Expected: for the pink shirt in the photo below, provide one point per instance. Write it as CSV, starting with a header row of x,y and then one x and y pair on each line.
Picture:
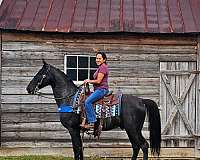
x,y
104,83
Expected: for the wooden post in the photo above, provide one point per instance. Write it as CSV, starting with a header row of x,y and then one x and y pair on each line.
x,y
197,140
0,82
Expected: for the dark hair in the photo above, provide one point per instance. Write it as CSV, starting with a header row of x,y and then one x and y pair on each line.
x,y
103,55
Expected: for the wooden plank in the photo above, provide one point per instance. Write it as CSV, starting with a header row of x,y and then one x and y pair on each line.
x,y
20,89
182,113
177,57
136,65
168,86
101,39
85,47
59,63
175,72
122,72
163,94
62,135
64,144
33,126
20,71
34,57
170,105
46,126
31,107
174,85
30,117
0,83
28,46
193,92
26,99
197,141
183,93
134,81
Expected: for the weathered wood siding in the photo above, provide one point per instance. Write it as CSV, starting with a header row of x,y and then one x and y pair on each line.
x,y
134,62
178,93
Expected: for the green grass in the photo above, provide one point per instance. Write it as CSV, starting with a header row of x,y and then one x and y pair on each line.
x,y
43,158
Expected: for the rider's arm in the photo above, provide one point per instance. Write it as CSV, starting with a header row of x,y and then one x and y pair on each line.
x,y
95,81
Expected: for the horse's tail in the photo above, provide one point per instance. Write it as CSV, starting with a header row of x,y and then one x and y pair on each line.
x,y
154,125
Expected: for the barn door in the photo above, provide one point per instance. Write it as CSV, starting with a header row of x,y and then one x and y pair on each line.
x,y
178,94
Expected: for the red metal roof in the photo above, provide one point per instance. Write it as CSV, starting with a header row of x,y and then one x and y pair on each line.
x,y
150,16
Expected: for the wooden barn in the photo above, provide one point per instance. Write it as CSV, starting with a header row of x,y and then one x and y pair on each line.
x,y
154,52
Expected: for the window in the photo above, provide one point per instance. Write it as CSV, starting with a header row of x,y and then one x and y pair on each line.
x,y
80,67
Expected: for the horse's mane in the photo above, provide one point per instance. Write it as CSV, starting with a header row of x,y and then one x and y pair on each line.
x,y
63,74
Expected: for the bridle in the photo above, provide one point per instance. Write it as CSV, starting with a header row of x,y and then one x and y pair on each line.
x,y
41,94
36,90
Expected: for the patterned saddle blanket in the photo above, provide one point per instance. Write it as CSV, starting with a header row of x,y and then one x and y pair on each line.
x,y
108,106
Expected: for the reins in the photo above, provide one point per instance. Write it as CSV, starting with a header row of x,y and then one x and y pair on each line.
x,y
41,94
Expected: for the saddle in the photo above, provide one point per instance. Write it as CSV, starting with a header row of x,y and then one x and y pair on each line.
x,y
108,100
103,107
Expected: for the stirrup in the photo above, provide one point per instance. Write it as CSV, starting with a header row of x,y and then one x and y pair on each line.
x,y
83,121
87,126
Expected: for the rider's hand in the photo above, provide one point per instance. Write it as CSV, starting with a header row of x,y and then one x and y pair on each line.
x,y
86,81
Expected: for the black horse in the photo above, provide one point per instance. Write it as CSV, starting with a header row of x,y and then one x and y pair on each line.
x,y
133,111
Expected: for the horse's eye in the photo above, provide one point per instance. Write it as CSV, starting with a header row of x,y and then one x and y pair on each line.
x,y
43,76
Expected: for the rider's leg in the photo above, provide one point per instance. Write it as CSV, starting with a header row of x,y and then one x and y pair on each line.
x,y
96,95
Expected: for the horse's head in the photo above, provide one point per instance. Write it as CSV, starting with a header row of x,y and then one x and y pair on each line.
x,y
40,80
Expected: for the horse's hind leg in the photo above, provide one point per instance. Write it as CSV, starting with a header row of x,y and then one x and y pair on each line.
x,y
134,147
135,152
138,141
143,144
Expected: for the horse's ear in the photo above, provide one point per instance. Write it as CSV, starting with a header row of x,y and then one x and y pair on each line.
x,y
44,62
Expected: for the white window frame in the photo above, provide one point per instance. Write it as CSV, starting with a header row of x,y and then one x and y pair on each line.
x,y
77,56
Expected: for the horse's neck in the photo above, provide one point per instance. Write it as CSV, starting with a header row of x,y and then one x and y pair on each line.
x,y
63,88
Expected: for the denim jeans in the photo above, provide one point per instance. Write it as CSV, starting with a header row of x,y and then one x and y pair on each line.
x,y
96,95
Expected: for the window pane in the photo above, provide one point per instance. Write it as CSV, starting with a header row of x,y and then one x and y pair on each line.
x,y
82,74
72,74
93,62
83,62
71,61
91,73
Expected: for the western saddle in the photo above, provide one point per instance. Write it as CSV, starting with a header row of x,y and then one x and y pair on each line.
x,y
108,100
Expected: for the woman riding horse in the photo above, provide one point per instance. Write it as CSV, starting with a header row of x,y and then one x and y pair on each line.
x,y
100,83
132,113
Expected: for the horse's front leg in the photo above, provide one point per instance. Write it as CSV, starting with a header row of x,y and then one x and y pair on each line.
x,y
77,143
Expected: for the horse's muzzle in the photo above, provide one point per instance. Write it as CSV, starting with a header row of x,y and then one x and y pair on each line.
x,y
29,90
